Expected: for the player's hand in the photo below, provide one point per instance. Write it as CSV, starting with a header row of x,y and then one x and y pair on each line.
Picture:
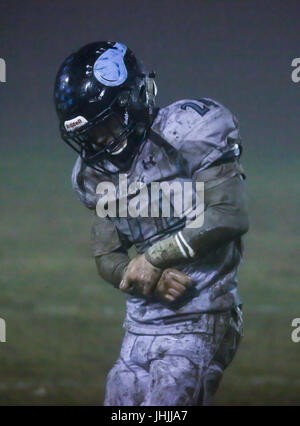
x,y
172,284
140,276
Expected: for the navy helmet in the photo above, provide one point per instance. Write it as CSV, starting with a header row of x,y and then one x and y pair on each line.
x,y
104,86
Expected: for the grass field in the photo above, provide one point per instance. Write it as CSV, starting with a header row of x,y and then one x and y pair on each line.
x,y
64,324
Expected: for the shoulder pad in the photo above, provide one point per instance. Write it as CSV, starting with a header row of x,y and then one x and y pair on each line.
x,y
201,129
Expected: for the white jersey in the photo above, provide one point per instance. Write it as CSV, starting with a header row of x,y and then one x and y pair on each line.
x,y
198,134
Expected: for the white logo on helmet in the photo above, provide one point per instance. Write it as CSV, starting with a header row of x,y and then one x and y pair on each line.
x,y
110,68
75,123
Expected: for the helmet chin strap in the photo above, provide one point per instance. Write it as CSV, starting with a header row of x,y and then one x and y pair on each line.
x,y
120,149
124,159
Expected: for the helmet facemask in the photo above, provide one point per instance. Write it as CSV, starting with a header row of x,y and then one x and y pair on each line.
x,y
104,137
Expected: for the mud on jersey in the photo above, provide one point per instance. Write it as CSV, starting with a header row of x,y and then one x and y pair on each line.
x,y
199,134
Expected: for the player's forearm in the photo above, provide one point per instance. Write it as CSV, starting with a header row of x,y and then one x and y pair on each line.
x,y
111,266
225,219
190,243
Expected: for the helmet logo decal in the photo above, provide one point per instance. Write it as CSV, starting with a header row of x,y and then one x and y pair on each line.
x,y
75,123
110,68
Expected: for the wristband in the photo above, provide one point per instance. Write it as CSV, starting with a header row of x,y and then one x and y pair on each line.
x,y
169,252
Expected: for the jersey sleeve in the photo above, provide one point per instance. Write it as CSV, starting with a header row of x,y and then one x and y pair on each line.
x,y
105,237
109,246
203,131
84,183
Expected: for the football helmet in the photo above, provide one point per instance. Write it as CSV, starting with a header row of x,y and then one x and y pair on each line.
x,y
103,89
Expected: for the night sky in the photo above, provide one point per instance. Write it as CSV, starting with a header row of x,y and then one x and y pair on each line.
x,y
237,52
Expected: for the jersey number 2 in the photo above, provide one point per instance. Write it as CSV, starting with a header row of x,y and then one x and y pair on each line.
x,y
202,110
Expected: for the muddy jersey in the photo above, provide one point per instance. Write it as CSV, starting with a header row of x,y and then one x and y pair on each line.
x,y
192,137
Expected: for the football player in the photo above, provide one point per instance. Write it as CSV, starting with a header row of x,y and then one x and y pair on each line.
x,y
183,318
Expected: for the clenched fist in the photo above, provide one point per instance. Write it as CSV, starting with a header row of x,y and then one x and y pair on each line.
x,y
172,284
140,276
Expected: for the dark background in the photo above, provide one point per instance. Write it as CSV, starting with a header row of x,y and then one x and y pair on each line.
x,y
63,323
239,52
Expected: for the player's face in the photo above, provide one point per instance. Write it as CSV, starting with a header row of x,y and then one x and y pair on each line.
x,y
105,134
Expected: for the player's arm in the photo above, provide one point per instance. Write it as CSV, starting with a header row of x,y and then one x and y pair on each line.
x,y
136,276
109,251
110,247
212,130
225,218
111,266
